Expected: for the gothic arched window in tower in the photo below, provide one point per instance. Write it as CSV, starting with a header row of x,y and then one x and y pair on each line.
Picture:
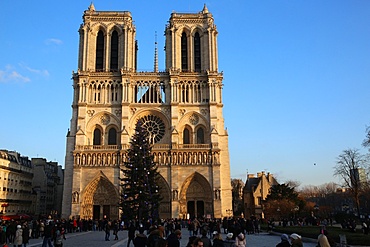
x,y
197,60
184,52
154,126
112,136
99,57
186,136
97,137
200,136
114,51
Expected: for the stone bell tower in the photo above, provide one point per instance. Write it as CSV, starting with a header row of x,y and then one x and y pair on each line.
x,y
181,108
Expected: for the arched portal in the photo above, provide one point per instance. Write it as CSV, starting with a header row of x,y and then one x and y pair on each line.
x,y
165,204
100,199
196,197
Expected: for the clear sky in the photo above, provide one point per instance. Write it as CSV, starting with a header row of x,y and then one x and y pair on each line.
x,y
296,77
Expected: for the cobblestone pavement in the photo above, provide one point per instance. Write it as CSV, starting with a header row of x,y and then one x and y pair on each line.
x,y
96,239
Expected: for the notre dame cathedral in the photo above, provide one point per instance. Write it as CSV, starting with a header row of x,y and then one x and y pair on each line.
x,y
181,108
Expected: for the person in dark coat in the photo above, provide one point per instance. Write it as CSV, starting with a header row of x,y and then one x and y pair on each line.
x,y
217,240
206,241
25,234
229,241
140,239
131,233
107,230
284,241
174,239
48,234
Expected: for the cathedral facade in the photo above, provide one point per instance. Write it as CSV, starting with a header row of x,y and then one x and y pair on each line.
x,y
181,108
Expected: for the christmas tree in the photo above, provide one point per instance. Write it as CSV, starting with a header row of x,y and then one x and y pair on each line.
x,y
139,190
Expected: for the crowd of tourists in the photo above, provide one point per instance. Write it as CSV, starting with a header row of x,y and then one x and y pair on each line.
x,y
19,232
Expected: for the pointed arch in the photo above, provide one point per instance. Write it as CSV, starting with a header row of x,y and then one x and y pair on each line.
x,y
184,52
197,52
99,57
99,192
186,135
165,192
112,136
97,136
200,135
196,196
114,51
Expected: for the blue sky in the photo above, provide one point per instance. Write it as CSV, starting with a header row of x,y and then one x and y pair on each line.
x,y
296,77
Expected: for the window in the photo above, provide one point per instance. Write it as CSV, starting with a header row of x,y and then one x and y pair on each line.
x,y
186,136
200,136
112,137
114,51
197,61
184,52
97,137
99,51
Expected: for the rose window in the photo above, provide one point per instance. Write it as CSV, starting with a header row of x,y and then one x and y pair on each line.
x,y
154,126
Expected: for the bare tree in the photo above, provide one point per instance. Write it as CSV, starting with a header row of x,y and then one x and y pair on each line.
x,y
237,186
348,167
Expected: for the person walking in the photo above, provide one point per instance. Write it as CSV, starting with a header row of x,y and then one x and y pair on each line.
x,y
48,234
173,239
240,240
229,241
26,234
206,241
107,230
140,239
296,240
131,233
284,241
217,240
18,240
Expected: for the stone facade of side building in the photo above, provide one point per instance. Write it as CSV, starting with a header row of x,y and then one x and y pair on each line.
x,y
181,108
16,175
255,191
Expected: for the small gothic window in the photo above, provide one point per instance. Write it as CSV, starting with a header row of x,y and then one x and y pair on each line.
x,y
112,136
197,60
200,136
97,137
184,52
99,51
114,51
186,136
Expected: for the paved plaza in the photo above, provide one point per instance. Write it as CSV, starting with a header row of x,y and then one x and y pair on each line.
x,y
96,239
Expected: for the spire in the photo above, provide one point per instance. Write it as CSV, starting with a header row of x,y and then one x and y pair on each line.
x,y
155,54
205,10
92,7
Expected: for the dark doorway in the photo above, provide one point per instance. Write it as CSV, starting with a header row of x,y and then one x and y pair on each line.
x,y
96,212
191,209
106,211
200,209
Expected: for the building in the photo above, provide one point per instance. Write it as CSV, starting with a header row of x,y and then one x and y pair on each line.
x,y
16,177
181,108
255,191
48,187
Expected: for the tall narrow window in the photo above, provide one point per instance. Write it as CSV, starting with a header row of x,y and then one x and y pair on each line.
x,y
99,51
97,137
186,136
114,51
200,136
112,136
197,60
184,52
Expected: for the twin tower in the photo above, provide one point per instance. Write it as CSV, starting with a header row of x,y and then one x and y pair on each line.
x,y
181,109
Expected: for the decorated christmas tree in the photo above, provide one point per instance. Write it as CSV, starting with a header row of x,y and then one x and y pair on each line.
x,y
139,190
